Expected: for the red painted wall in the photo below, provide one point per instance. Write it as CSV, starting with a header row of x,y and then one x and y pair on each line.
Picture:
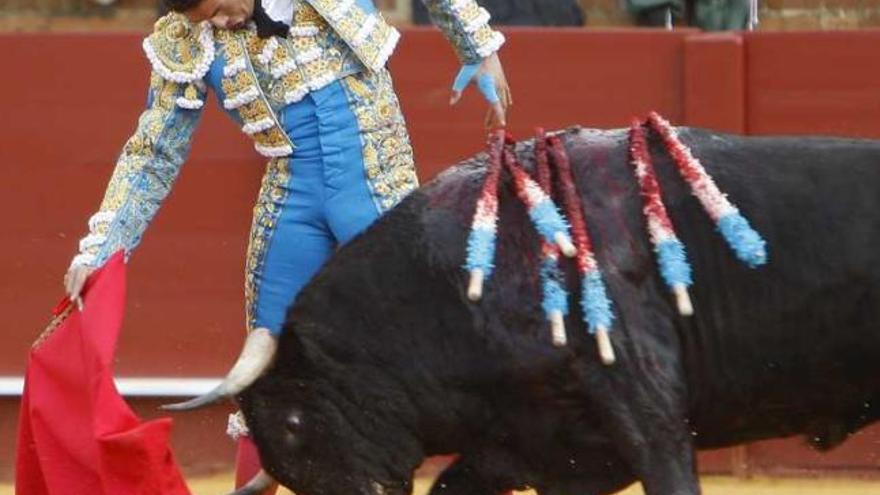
x,y
814,83
69,102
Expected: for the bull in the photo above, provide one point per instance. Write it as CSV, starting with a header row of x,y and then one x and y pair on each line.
x,y
384,360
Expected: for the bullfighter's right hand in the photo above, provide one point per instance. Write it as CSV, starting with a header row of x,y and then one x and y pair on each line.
x,y
490,79
74,281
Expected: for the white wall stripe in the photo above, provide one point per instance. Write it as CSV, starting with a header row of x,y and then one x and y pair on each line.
x,y
11,386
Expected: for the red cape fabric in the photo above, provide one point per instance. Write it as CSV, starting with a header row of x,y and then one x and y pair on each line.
x,y
76,434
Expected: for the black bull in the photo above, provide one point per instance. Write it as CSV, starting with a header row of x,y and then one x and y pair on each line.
x,y
385,361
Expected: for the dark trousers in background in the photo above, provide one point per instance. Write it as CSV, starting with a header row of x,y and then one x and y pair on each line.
x,y
521,12
711,15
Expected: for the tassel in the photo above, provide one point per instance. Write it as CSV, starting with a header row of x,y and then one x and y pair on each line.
x,y
545,216
484,228
671,257
745,242
555,298
594,298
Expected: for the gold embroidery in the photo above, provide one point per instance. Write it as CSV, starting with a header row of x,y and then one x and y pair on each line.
x,y
307,15
273,192
465,24
140,179
231,46
349,25
255,45
292,81
373,51
254,111
238,83
244,94
271,138
485,36
166,96
317,69
304,62
303,44
291,87
387,153
280,56
470,12
178,50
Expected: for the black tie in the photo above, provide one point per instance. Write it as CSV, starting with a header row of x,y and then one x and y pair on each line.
x,y
266,26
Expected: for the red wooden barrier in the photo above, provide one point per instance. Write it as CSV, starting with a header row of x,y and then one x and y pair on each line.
x,y
70,101
814,83
714,86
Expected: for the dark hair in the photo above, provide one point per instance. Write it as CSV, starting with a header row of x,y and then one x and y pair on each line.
x,y
180,5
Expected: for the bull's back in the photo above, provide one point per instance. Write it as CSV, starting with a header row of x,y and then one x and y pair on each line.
x,y
793,346
770,351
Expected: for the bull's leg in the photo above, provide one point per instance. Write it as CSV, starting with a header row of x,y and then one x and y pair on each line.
x,y
477,475
583,463
669,471
642,404
600,485
642,413
651,435
461,479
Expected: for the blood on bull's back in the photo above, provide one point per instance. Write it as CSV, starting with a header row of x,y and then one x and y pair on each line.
x,y
405,365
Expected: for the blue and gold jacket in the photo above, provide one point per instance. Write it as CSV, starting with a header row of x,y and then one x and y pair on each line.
x,y
254,78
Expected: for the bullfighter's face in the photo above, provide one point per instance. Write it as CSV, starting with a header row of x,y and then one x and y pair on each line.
x,y
224,14
307,443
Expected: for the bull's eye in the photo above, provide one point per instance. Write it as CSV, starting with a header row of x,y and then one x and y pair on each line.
x,y
293,421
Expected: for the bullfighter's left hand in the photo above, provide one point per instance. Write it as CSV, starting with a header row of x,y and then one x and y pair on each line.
x,y
492,83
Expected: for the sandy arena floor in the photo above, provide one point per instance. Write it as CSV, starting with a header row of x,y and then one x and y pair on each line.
x,y
218,485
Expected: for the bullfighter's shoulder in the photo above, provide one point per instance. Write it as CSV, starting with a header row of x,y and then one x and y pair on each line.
x,y
180,50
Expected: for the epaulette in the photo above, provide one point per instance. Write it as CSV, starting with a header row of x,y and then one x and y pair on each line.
x,y
182,52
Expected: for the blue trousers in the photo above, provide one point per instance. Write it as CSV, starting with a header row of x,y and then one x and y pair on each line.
x,y
309,204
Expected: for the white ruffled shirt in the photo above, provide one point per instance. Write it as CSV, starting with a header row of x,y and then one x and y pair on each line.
x,y
279,10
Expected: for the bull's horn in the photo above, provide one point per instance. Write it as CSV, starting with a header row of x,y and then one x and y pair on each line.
x,y
257,485
257,354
